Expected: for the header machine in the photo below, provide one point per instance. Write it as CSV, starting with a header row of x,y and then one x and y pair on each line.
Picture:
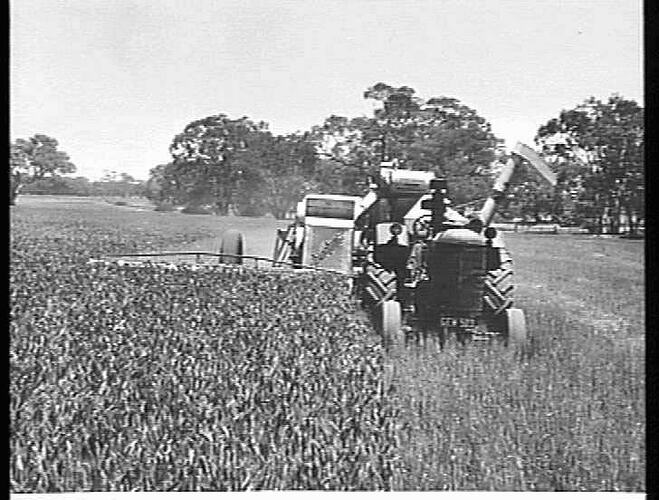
x,y
417,264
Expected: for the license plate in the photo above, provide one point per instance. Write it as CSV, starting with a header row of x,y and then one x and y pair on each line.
x,y
449,321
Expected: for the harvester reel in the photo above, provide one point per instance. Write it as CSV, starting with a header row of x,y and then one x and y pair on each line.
x,y
232,243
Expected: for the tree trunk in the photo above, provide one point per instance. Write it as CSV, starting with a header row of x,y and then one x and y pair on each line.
x,y
13,193
600,224
14,187
222,207
631,220
280,214
614,222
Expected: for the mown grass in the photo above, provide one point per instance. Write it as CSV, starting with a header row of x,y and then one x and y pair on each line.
x,y
566,414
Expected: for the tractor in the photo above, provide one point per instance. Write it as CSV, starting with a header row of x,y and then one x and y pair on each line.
x,y
418,265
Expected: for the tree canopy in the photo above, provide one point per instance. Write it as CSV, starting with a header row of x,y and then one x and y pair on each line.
x,y
439,134
276,172
203,168
34,159
598,149
238,164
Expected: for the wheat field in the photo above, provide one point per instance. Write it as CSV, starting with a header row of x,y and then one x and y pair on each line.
x,y
153,379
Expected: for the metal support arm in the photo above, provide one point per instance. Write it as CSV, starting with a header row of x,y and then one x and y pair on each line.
x,y
502,183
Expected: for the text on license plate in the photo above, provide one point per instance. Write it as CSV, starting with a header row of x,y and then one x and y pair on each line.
x,y
457,322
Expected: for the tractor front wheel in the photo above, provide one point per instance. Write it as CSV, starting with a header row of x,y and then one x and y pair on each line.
x,y
391,322
232,243
515,326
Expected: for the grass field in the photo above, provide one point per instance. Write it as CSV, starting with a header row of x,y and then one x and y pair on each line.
x,y
569,414
565,414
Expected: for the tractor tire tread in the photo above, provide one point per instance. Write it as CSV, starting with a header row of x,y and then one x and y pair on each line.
x,y
497,292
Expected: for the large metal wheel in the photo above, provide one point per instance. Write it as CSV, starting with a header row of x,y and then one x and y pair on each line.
x,y
515,326
379,283
391,321
498,291
232,243
282,251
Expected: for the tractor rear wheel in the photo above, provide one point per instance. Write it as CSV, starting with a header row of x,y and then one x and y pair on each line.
x,y
379,284
498,292
391,322
232,243
515,326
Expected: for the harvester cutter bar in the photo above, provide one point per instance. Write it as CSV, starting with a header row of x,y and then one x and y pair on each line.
x,y
255,258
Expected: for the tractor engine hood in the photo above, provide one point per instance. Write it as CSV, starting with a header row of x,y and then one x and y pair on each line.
x,y
462,236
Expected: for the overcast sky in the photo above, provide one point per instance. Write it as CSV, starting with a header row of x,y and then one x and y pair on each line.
x,y
114,80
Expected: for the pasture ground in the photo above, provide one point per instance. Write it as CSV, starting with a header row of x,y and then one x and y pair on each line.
x,y
567,414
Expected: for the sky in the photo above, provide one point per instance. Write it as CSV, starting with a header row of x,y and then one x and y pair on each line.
x,y
115,80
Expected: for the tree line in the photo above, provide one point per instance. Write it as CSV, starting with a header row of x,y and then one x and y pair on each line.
x,y
38,166
237,165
